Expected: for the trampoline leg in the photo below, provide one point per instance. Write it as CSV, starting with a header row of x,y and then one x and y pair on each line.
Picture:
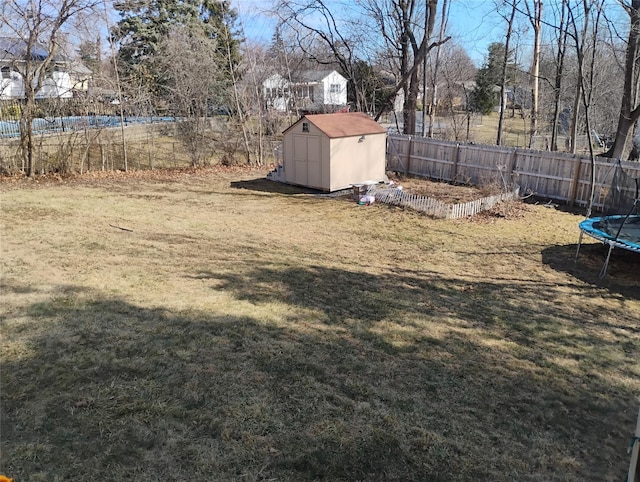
x,y
575,260
603,271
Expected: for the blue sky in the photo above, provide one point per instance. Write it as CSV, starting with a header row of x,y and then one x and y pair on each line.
x,y
473,23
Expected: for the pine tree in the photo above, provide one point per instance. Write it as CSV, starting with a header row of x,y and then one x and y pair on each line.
x,y
484,97
89,53
144,24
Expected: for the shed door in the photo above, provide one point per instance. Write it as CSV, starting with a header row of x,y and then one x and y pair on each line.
x,y
306,155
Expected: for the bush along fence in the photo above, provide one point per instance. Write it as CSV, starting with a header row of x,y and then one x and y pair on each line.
x,y
549,175
135,146
147,146
438,209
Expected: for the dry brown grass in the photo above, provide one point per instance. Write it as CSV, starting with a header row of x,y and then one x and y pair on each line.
x,y
244,330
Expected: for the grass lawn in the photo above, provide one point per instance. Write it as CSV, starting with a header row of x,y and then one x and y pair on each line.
x,y
241,330
515,131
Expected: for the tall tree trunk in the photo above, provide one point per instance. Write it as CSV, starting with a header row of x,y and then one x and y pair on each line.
x,y
585,90
123,138
411,56
424,101
504,71
562,46
580,39
32,80
410,105
628,114
434,80
26,132
573,139
536,22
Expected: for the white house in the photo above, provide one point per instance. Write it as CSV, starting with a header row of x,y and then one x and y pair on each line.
x,y
312,91
65,78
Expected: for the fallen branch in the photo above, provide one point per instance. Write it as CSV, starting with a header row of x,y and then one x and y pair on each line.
x,y
120,227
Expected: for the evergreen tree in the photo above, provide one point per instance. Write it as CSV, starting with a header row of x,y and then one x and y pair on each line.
x,y
90,55
374,92
484,96
144,24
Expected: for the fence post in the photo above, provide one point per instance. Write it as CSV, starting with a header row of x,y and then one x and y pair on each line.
x,y
454,167
150,144
406,167
575,181
102,155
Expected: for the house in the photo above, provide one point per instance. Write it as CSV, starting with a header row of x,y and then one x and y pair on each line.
x,y
311,91
333,151
64,80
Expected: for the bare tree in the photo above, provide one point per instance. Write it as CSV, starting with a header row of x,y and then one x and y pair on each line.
x,y
398,21
457,73
254,69
406,30
239,113
39,26
193,85
630,108
509,18
560,56
286,61
314,21
536,22
586,83
433,99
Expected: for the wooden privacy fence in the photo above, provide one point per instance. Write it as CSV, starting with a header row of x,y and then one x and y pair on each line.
x,y
550,175
438,209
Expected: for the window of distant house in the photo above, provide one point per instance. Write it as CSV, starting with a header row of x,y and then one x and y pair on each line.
x,y
335,88
6,72
305,127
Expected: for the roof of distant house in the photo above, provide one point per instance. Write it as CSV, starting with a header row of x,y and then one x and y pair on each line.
x,y
344,124
315,75
79,68
16,49
304,77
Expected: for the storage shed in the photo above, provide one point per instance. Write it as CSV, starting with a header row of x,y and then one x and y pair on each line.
x,y
333,151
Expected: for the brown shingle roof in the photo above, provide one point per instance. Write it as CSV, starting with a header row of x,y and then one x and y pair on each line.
x,y
344,124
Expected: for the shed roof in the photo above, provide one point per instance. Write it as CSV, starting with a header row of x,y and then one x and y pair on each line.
x,y
345,124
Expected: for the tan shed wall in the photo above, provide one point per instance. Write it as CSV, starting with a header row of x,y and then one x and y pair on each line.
x,y
354,162
313,173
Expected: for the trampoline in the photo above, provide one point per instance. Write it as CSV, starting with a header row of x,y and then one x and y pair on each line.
x,y
619,227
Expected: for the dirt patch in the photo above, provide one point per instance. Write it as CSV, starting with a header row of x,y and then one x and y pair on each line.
x,y
505,210
459,194
444,191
